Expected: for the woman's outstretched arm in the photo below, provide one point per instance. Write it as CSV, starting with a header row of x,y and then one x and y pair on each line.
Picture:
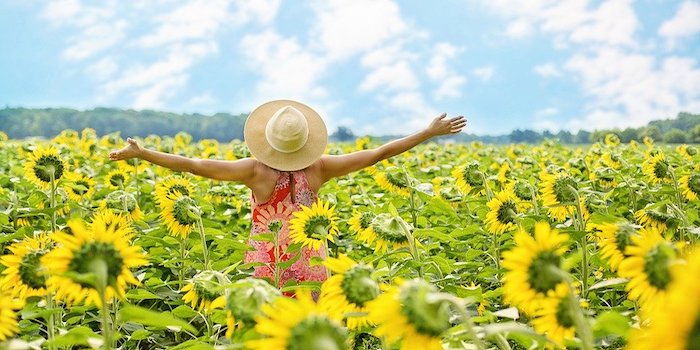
x,y
239,170
333,166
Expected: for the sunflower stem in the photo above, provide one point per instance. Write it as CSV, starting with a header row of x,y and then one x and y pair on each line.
x,y
534,198
411,237
205,251
583,328
633,195
497,253
183,248
581,226
675,186
51,321
277,258
459,305
100,269
52,200
489,194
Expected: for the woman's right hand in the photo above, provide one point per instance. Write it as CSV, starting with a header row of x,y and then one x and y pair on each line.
x,y
131,150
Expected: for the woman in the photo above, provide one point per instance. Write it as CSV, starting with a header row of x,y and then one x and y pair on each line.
x,y
287,139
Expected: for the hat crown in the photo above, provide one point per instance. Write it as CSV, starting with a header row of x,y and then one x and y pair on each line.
x,y
287,131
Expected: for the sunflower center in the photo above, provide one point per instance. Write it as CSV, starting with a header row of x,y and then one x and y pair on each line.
x,y
366,220
507,212
358,286
316,332
694,183
117,180
694,336
428,316
84,259
656,265
317,226
539,276
274,226
565,317
183,210
623,237
564,190
30,269
661,169
691,151
46,166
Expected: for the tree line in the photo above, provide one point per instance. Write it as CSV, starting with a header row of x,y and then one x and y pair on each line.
x,y
48,122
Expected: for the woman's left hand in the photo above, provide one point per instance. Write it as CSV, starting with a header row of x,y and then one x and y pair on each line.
x,y
441,125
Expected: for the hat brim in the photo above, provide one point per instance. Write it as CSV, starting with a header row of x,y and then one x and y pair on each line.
x,y
254,134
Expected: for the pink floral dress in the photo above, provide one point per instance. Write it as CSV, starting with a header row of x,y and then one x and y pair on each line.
x,y
277,211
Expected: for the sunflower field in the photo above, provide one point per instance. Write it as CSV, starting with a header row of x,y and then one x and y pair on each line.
x,y
447,246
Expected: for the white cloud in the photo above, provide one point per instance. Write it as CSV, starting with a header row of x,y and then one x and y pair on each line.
x,y
519,28
549,111
547,70
484,73
346,28
449,82
397,76
287,69
612,22
630,89
98,30
103,69
202,100
685,23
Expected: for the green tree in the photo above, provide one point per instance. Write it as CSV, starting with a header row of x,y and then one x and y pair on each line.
x,y
652,131
676,136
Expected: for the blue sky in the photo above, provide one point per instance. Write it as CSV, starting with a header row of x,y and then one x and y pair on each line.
x,y
377,66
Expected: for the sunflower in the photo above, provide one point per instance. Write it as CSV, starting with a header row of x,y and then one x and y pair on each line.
x,y
116,179
360,221
437,186
172,186
648,267
529,278
8,316
612,140
554,318
121,223
654,217
392,180
245,299
79,186
690,186
557,190
676,326
657,168
180,214
613,239
81,252
311,226
204,291
384,232
124,203
503,212
43,164
504,172
23,275
469,178
350,289
299,324
411,313
688,152
362,143
132,165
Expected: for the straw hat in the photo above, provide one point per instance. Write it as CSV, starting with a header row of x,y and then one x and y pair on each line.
x,y
285,135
